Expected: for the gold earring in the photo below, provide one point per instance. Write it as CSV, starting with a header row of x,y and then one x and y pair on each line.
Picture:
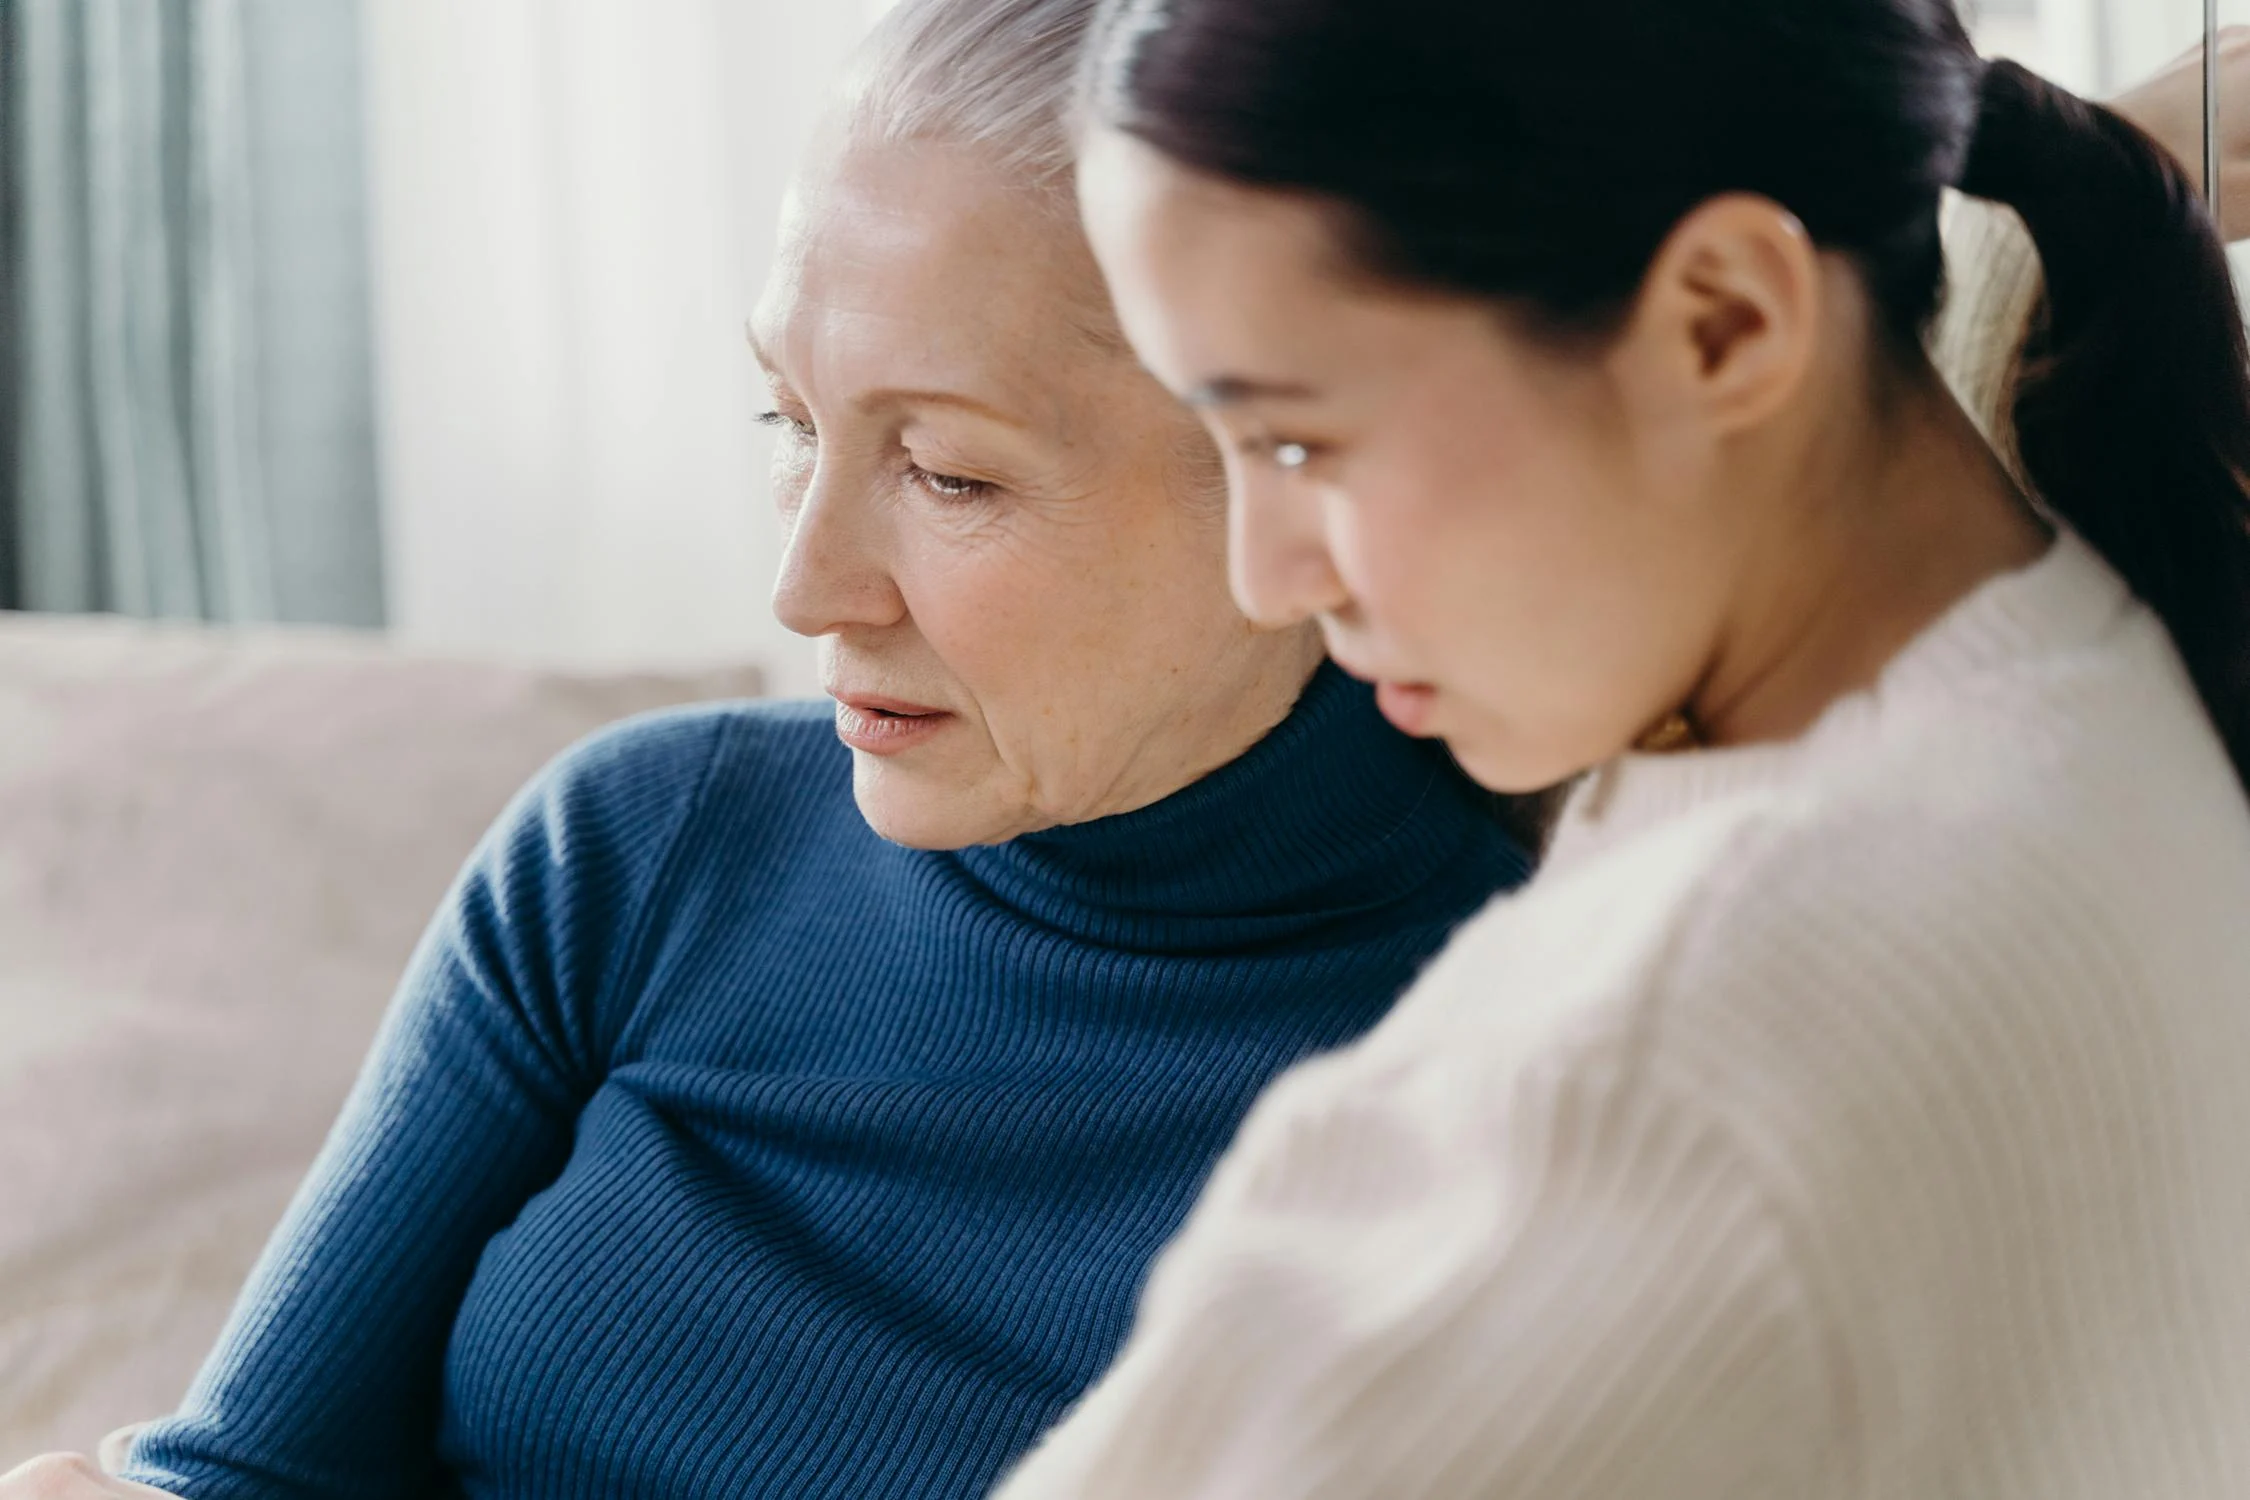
x,y
1668,735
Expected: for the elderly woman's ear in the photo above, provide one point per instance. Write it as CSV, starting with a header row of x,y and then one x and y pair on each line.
x,y
2169,107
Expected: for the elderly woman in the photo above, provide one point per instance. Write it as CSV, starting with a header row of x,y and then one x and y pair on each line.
x,y
787,1101
790,1103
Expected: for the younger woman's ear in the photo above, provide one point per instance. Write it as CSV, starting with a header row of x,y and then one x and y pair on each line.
x,y
1728,317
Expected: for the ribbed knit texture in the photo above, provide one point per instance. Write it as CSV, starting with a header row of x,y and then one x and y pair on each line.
x,y
1993,287
716,1147
1866,1116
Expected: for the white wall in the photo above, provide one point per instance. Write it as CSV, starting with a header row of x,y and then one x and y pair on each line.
x,y
2102,47
2095,47
574,204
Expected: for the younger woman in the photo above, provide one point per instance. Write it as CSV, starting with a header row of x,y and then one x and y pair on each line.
x,y
1855,1104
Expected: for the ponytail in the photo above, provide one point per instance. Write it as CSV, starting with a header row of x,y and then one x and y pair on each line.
x,y
1462,141
2132,408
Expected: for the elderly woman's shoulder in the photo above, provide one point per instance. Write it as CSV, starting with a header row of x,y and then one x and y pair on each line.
x,y
762,739
734,761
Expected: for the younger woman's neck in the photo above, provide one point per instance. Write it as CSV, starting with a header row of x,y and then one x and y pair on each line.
x,y
1891,522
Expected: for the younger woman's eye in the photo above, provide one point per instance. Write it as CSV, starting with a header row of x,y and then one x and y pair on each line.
x,y
1282,453
947,486
796,426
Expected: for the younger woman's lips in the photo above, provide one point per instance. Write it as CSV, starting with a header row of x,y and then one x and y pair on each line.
x,y
880,729
1408,705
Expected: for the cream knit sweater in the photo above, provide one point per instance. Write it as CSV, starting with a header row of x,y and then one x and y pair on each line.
x,y
1993,284
1865,1116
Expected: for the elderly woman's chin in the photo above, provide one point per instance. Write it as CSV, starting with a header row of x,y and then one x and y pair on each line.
x,y
926,798
950,780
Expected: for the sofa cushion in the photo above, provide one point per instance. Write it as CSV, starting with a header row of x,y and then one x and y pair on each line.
x,y
216,853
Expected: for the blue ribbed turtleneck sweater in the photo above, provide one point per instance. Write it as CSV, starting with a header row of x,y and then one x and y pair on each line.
x,y
714,1146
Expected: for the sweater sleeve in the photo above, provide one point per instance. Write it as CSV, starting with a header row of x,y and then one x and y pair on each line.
x,y
1574,1292
327,1379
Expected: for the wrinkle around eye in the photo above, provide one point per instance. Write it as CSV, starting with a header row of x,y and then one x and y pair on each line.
x,y
957,488
790,476
788,425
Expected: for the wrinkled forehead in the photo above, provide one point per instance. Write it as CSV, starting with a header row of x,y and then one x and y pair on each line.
x,y
918,262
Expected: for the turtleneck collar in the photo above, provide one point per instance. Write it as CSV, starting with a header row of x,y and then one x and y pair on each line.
x,y
1332,815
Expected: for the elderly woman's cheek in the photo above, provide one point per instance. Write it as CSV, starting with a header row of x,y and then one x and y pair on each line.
x,y
1004,599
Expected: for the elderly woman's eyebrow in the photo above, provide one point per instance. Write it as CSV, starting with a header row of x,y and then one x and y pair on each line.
x,y
1233,390
758,350
901,395
958,400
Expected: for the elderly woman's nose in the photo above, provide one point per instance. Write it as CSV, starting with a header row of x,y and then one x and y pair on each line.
x,y
834,571
1278,562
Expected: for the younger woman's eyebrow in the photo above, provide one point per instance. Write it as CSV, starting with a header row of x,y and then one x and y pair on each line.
x,y
1233,390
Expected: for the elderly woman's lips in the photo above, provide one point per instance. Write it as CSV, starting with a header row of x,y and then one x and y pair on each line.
x,y
885,726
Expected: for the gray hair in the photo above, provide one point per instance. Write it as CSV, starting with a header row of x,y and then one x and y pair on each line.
x,y
999,75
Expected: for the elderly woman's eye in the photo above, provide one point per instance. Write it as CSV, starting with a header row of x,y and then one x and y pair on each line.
x,y
947,486
796,427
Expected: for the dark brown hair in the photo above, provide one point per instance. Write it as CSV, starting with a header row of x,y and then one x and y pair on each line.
x,y
1539,152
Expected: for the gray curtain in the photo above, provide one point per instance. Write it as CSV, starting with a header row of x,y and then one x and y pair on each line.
x,y
188,381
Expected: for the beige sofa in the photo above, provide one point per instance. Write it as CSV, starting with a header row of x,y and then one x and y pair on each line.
x,y
216,852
